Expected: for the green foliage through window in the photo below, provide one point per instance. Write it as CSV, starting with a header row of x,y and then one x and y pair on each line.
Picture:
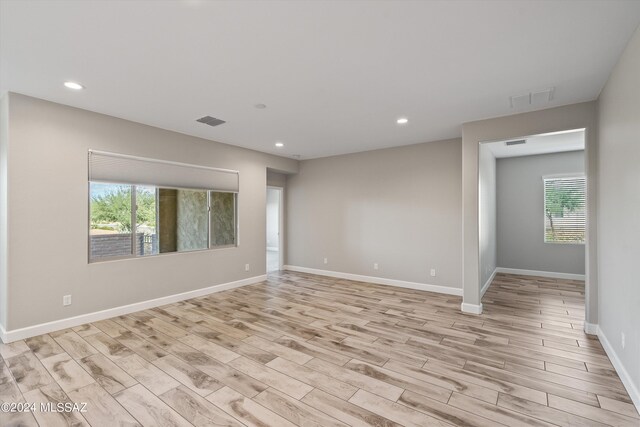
x,y
565,209
111,207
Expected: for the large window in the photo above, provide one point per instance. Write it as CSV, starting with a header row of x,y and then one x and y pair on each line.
x,y
565,209
134,220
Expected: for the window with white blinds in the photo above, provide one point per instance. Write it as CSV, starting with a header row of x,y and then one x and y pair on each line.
x,y
122,168
564,209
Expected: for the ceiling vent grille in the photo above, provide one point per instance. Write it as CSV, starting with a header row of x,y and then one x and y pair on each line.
x,y
532,99
211,121
517,142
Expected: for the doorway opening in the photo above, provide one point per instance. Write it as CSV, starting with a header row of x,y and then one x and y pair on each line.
x,y
274,228
533,217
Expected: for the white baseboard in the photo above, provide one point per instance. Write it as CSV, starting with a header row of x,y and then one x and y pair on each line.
x,y
378,280
471,308
488,283
632,388
590,328
553,274
56,325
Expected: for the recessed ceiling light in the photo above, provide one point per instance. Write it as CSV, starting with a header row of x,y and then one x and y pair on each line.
x,y
402,121
73,85
279,144
260,106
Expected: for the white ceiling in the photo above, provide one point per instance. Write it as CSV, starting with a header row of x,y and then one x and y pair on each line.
x,y
539,144
335,76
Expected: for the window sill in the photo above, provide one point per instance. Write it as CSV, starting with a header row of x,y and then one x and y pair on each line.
x,y
128,257
566,243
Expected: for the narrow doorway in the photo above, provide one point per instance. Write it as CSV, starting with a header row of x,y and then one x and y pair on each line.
x,y
274,229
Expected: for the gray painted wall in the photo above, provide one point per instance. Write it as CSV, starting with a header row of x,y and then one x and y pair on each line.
x,y
48,197
618,208
487,201
576,116
399,207
276,179
520,230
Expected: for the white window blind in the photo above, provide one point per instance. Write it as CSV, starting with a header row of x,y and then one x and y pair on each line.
x,y
564,209
124,169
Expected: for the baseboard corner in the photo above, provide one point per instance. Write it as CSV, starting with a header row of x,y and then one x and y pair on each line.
x,y
3,334
591,328
471,308
626,379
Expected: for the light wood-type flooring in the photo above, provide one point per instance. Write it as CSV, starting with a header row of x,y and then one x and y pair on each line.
x,y
307,350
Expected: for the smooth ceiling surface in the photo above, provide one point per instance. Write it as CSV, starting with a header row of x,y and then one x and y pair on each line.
x,y
335,76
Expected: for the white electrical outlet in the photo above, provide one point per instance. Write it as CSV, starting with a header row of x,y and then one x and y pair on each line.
x,y
246,267
375,265
326,261
623,339
66,300
433,272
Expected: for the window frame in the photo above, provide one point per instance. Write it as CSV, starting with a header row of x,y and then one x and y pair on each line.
x,y
134,221
556,177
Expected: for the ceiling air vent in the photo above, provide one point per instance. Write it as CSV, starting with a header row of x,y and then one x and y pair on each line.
x,y
211,121
532,99
517,142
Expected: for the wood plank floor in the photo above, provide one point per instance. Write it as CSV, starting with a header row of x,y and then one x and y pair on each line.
x,y
307,350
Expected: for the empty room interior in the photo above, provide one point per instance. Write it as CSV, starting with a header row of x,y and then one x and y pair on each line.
x,y
319,213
